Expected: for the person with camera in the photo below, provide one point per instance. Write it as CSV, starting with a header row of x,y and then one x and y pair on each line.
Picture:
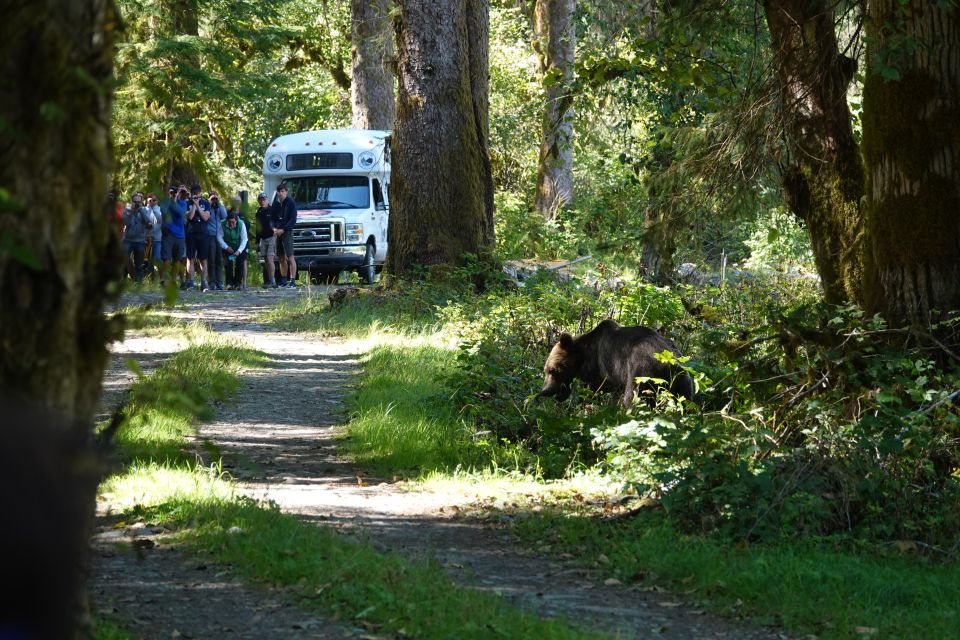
x,y
267,241
198,213
151,256
218,215
173,249
233,244
137,221
283,214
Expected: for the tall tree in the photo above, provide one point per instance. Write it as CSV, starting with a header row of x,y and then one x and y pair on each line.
x,y
554,41
442,184
823,176
59,258
911,134
372,86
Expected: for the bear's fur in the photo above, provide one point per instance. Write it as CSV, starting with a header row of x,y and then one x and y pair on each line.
x,y
611,358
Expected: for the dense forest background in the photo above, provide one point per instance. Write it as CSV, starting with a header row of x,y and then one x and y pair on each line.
x,y
673,114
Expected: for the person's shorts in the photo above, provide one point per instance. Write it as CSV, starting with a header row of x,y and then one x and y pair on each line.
x,y
268,247
197,247
285,244
173,248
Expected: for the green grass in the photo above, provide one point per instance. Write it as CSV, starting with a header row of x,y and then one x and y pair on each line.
x,y
107,630
403,419
372,314
804,587
157,321
162,407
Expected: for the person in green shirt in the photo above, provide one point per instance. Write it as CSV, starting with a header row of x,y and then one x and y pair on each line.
x,y
232,238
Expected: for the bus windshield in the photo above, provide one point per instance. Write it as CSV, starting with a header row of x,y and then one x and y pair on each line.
x,y
330,192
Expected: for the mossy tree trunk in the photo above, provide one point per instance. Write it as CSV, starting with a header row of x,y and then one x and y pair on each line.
x,y
911,130
554,41
442,205
372,86
823,177
59,254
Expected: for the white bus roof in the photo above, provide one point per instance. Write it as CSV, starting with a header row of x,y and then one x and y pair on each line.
x,y
328,139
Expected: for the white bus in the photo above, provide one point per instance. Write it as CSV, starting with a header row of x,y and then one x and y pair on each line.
x,y
340,182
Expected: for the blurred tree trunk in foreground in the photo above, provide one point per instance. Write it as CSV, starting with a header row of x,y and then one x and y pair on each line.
x,y
442,205
59,259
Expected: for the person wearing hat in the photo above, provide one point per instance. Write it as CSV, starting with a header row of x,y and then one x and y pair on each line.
x,y
267,241
232,238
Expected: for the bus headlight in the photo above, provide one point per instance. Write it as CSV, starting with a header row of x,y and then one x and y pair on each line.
x,y
354,233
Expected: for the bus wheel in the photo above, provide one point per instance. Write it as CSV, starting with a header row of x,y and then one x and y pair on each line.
x,y
368,270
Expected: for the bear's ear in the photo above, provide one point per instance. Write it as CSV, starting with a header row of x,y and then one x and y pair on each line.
x,y
566,340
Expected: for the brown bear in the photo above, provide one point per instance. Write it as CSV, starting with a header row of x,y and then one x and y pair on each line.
x,y
611,358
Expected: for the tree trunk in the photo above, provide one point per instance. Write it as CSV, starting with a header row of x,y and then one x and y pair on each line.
x,y
659,245
442,183
911,132
59,258
554,40
823,178
372,85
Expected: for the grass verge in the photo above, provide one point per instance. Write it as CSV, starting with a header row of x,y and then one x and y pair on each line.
x,y
803,587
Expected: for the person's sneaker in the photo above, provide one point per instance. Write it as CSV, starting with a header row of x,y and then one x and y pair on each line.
x,y
291,284
219,287
266,285
282,282
186,284
203,286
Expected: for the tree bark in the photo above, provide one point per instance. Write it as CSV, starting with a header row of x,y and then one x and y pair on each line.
x,y
823,177
442,184
911,133
554,41
372,87
59,261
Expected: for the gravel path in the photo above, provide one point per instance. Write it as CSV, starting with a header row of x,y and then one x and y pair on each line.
x,y
279,440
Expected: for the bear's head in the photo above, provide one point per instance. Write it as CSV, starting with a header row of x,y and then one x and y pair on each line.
x,y
561,368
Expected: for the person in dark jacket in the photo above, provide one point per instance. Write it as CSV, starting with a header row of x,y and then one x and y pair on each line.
x,y
198,213
283,214
267,241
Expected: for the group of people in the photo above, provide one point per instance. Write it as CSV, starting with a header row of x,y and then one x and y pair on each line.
x,y
204,244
